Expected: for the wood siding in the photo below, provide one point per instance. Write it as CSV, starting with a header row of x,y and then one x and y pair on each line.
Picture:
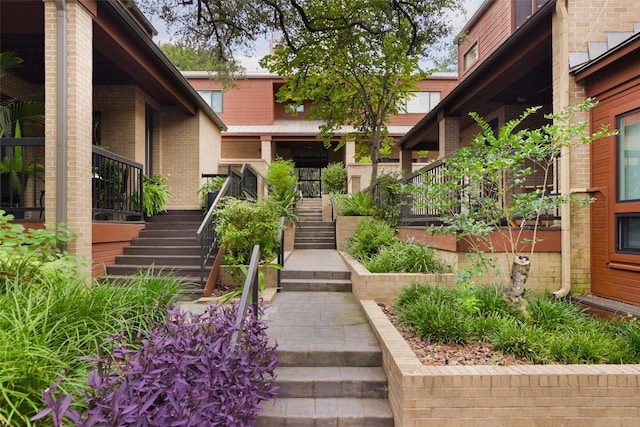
x,y
489,32
613,275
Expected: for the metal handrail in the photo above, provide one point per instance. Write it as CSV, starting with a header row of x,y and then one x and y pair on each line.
x,y
250,289
116,186
22,183
240,184
280,252
416,210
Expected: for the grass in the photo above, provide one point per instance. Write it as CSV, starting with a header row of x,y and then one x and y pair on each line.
x,y
549,331
49,327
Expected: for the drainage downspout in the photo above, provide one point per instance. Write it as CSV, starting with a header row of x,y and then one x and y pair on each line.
x,y
61,123
565,164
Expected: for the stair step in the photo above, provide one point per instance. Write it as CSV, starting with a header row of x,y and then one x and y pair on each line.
x,y
159,260
317,275
173,225
315,245
187,273
324,357
321,285
314,233
316,224
311,238
326,412
349,381
167,241
169,233
162,250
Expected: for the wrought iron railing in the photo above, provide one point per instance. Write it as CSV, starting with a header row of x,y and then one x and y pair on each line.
x,y
280,252
416,210
239,184
22,177
249,293
116,187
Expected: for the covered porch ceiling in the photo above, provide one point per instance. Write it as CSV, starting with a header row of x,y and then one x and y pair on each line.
x,y
517,73
122,53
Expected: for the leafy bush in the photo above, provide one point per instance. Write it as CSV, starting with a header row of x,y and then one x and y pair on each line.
x,y
359,203
370,236
390,196
281,175
241,224
47,324
180,375
334,178
405,257
155,194
554,331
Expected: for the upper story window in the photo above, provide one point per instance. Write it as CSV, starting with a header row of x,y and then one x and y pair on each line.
x,y
471,56
421,102
628,152
213,98
523,9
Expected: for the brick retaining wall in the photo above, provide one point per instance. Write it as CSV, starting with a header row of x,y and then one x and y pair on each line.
x,y
507,396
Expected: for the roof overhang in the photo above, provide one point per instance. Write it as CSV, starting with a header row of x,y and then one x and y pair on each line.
x,y
517,69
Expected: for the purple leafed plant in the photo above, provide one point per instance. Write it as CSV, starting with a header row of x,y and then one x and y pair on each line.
x,y
179,376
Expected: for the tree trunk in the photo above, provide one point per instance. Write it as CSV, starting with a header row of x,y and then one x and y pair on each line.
x,y
519,276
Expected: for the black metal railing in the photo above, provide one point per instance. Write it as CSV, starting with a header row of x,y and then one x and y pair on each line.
x,y
116,187
280,253
249,293
416,210
22,177
240,184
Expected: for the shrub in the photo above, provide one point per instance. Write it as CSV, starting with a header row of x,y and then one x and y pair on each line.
x,y
281,175
359,203
370,236
554,330
334,178
47,325
241,224
405,257
389,198
180,375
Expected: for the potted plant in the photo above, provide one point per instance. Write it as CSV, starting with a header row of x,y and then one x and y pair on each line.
x,y
424,156
209,190
155,194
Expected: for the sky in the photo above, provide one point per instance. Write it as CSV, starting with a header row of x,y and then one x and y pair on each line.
x,y
262,46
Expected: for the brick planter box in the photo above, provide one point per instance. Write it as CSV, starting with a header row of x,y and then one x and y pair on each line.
x,y
383,287
506,396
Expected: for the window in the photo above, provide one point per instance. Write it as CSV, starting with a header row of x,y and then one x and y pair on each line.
x,y
213,98
421,102
628,231
471,56
628,153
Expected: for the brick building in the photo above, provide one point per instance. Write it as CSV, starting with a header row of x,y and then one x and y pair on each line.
x,y
553,53
261,129
108,92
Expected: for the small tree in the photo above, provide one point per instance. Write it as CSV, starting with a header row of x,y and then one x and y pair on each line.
x,y
488,184
334,178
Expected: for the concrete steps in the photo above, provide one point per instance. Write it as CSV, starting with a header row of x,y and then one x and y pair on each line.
x,y
329,361
313,232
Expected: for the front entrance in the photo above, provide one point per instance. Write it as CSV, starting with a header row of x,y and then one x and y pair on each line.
x,y
309,164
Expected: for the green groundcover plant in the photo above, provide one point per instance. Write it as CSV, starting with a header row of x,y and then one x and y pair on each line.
x,y
50,318
550,331
181,375
375,245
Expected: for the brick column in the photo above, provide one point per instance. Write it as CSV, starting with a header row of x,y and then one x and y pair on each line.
x,y
78,119
266,148
350,152
406,161
449,135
